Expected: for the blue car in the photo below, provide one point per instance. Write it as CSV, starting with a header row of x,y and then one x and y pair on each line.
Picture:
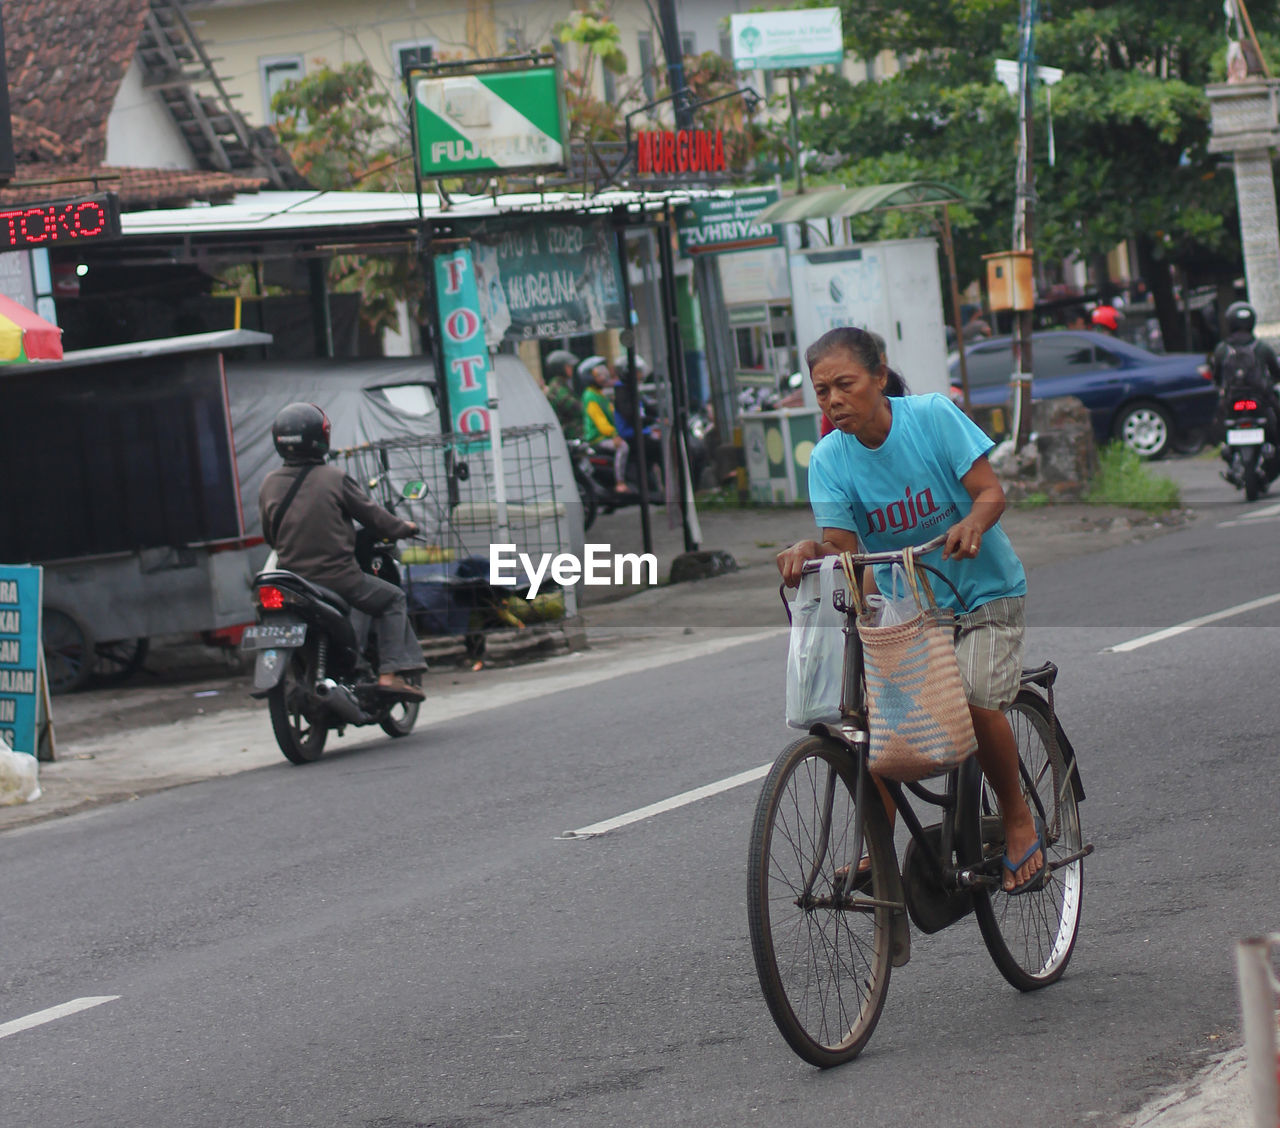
x,y
1152,402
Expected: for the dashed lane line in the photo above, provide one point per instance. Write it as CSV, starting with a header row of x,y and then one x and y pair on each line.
x,y
1192,624
53,1013
664,805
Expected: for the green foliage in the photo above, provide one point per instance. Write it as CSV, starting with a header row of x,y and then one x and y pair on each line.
x,y
336,126
600,41
1125,479
1130,123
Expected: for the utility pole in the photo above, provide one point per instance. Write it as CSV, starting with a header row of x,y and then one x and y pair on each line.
x,y
674,51
1023,219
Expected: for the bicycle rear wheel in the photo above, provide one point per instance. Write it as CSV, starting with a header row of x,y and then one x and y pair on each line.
x,y
1031,936
822,949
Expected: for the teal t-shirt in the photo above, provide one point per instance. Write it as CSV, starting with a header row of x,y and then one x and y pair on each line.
x,y
908,490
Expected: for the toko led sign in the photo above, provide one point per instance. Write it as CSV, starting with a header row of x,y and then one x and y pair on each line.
x,y
60,224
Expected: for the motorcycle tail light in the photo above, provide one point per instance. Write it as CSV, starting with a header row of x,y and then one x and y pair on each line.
x,y
271,598
1245,405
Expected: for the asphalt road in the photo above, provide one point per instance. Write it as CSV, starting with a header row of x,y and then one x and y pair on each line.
x,y
398,936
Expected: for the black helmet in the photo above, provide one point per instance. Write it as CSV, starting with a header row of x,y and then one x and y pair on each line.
x,y
1240,318
300,431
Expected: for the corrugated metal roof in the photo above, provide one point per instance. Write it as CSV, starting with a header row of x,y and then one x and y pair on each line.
x,y
218,340
832,203
278,212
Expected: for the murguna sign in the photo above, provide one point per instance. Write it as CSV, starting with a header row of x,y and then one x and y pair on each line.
x,y
681,150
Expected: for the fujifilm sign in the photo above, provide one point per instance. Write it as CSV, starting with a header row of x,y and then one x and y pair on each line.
x,y
496,121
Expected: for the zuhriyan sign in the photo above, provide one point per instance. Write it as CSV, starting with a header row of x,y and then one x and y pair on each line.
x,y
714,226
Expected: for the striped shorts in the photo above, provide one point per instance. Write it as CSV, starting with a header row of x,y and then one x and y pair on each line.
x,y
989,643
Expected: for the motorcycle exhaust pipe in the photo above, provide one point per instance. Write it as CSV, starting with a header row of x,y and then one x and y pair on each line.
x,y
340,700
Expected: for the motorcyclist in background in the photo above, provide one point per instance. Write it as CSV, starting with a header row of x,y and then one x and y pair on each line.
x,y
307,508
1241,360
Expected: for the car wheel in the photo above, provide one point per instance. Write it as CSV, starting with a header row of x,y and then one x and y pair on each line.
x,y
1146,429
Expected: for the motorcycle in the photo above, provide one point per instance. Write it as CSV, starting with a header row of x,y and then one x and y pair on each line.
x,y
1249,446
316,659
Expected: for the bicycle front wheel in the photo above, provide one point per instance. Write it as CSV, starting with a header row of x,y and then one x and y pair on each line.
x,y
820,928
1031,936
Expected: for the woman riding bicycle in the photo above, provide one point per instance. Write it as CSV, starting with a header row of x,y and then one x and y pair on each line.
x,y
897,470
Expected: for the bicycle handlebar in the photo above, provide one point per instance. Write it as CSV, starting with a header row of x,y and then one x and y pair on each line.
x,y
895,557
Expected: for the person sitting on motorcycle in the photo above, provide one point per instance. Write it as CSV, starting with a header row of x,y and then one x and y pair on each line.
x,y
1241,360
1106,318
600,426
560,394
314,537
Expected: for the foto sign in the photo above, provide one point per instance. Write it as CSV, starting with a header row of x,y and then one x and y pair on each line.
x,y
496,121
60,224
781,40
717,226
466,357
20,598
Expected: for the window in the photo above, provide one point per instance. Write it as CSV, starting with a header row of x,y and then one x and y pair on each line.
x,y
987,366
647,81
1065,354
413,53
610,85
726,45
276,71
688,43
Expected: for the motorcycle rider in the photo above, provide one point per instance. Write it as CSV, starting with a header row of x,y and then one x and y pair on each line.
x,y
1242,360
1105,318
307,508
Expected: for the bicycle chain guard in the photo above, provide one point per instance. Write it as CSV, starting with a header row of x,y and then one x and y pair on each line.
x,y
932,907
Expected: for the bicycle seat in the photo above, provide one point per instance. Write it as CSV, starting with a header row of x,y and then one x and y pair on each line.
x,y
1044,675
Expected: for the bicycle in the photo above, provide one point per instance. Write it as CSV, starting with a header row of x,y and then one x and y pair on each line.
x,y
827,927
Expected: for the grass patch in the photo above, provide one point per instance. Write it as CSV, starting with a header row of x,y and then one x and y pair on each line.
x,y
1124,479
1037,500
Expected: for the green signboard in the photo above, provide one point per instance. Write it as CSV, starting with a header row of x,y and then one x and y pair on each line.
x,y
549,278
20,655
466,358
495,121
719,225
786,39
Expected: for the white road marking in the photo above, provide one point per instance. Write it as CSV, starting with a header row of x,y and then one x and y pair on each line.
x,y
1192,624
41,1017
681,800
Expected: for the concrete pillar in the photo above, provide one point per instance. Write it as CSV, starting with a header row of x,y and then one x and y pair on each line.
x,y
1246,124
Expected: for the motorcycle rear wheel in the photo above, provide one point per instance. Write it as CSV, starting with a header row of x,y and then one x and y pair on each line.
x,y
300,738
402,716
1252,478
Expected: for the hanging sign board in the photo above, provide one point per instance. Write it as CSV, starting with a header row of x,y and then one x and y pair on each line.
x,y
718,226
61,224
787,39
495,121
553,278
466,357
20,655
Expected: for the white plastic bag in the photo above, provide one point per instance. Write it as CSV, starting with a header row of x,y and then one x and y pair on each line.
x,y
898,604
815,659
19,777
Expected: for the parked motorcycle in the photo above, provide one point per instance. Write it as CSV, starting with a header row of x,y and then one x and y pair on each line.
x,y
317,658
1249,446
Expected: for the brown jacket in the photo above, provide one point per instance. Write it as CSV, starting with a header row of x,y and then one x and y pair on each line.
x,y
316,538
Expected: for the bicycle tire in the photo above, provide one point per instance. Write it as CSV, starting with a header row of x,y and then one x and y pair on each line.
x,y
1031,937
823,969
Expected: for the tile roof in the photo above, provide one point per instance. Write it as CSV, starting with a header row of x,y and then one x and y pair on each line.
x,y
138,188
34,143
66,60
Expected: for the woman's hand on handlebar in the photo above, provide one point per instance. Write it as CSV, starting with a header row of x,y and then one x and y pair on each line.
x,y
791,560
964,541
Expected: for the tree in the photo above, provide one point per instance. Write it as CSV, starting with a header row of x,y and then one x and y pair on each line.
x,y
334,124
1130,122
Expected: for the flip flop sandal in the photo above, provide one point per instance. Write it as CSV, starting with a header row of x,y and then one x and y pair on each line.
x,y
1036,881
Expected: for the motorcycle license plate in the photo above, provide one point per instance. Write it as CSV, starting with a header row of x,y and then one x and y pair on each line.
x,y
1246,436
270,636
